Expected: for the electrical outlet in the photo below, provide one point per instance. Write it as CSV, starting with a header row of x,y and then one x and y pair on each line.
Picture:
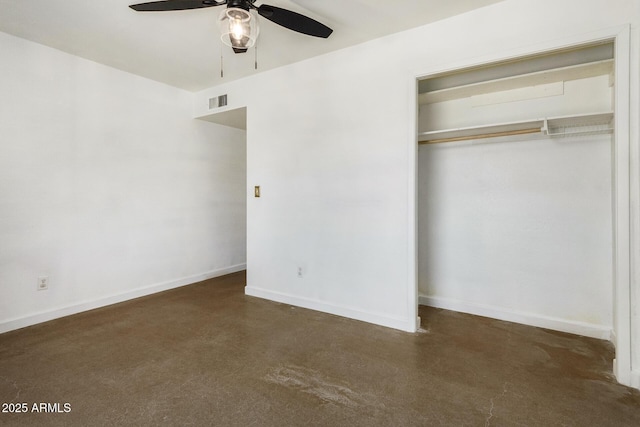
x,y
43,283
299,271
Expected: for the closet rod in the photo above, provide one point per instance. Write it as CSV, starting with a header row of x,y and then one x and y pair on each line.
x,y
481,136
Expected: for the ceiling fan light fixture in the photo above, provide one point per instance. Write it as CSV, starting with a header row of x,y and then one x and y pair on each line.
x,y
239,28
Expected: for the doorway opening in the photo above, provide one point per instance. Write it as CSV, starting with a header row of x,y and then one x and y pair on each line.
x,y
236,118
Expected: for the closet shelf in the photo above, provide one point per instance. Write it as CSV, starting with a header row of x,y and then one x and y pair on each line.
x,y
588,124
582,124
573,72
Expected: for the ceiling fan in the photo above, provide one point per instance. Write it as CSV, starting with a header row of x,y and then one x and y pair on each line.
x,y
239,21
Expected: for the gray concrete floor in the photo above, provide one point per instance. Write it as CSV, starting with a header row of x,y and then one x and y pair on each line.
x,y
206,354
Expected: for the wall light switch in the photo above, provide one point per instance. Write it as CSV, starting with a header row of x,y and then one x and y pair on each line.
x,y
256,191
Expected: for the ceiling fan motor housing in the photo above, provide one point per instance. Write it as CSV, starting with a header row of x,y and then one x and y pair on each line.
x,y
241,4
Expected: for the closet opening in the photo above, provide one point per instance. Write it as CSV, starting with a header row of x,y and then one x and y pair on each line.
x,y
520,202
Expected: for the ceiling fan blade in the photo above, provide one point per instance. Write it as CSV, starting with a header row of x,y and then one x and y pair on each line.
x,y
294,21
160,6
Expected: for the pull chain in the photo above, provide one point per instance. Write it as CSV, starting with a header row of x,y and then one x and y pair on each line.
x,y
221,61
255,61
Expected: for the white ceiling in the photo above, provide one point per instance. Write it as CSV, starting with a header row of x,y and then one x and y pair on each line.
x,y
183,48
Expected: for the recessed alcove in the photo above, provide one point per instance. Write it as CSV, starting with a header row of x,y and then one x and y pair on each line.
x,y
515,190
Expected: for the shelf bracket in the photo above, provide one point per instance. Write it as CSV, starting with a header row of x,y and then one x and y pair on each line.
x,y
545,127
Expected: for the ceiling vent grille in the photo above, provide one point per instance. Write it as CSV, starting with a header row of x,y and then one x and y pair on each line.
x,y
217,101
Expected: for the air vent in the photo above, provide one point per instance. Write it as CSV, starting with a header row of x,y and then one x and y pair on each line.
x,y
217,101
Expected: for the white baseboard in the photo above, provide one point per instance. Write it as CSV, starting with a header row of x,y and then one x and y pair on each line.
x,y
614,338
626,376
556,324
635,379
33,319
408,325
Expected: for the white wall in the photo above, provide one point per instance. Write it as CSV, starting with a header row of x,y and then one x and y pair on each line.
x,y
329,142
107,186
